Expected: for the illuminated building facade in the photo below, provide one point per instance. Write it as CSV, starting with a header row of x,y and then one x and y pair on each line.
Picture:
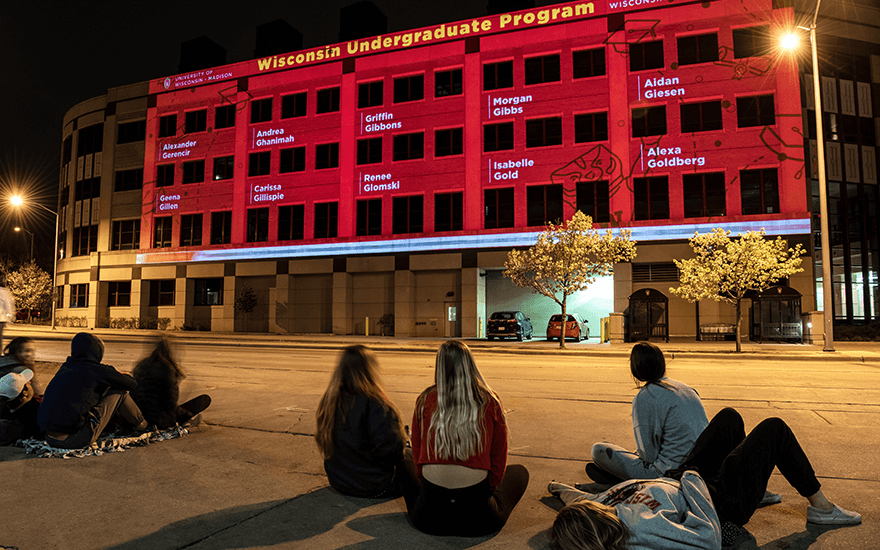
x,y
390,175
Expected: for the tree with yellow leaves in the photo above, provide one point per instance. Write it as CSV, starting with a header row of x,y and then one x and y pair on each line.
x,y
568,258
724,269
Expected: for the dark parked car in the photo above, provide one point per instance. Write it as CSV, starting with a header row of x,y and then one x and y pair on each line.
x,y
22,314
509,324
576,327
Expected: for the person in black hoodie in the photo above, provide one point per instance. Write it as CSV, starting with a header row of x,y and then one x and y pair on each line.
x,y
84,396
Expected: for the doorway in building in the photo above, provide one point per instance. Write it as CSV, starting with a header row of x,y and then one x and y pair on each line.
x,y
647,316
453,319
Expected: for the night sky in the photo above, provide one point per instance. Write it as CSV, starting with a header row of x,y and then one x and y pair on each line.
x,y
57,54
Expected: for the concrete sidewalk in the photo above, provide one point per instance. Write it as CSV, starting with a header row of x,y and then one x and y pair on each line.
x,y
251,476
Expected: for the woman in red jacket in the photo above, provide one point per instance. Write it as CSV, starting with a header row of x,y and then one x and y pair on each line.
x,y
463,485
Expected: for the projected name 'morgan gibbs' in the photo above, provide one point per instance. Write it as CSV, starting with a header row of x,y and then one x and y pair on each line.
x,y
503,106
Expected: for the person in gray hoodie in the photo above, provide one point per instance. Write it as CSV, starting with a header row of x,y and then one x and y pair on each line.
x,y
84,396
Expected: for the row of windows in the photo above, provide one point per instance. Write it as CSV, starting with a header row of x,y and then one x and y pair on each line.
x,y
704,195
207,291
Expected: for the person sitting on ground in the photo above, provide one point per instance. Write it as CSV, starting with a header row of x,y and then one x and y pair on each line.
x,y
359,430
667,415
158,378
19,354
22,404
84,395
696,510
462,484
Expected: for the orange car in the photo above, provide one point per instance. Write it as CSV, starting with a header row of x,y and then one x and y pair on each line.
x,y
576,327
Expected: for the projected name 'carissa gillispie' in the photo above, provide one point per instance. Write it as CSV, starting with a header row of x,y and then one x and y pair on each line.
x,y
266,193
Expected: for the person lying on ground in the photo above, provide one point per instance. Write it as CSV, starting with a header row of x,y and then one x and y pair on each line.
x,y
687,509
84,396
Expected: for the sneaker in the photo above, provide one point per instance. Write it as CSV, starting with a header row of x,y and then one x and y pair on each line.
x,y
770,498
835,516
600,475
555,488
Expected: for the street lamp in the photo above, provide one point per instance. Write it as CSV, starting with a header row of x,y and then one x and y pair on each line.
x,y
827,284
19,229
18,201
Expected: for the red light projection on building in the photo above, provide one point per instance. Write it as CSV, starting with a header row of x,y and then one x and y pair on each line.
x,y
664,117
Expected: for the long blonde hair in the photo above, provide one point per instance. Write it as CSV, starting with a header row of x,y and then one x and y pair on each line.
x,y
462,399
588,525
357,373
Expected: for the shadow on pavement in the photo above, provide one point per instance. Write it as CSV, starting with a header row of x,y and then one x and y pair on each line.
x,y
393,532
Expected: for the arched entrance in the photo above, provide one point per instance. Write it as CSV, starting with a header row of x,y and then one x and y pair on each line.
x,y
648,316
776,315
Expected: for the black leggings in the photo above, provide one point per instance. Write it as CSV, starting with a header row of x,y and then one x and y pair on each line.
x,y
737,467
472,511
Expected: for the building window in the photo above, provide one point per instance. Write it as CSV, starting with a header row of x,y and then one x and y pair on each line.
x,y
167,126
370,94
542,69
409,88
448,142
261,110
448,211
165,175
498,137
448,83
193,171
258,225
407,214
702,48
162,292
751,41
649,121
119,294
651,197
162,232
126,235
195,121
369,151
85,240
409,146
208,292
87,189
759,190
369,217
224,116
498,208
224,168
59,296
291,222
129,180
259,164
703,195
79,295
543,132
587,63
130,132
292,159
328,100
294,105
591,127
326,219
592,200
646,55
191,230
327,156
91,140
700,117
498,75
67,150
221,227
544,204
756,110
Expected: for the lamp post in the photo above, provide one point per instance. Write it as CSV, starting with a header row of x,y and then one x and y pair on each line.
x,y
827,283
18,229
18,201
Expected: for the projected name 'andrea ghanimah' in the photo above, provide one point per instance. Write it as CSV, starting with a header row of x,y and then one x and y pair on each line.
x,y
272,136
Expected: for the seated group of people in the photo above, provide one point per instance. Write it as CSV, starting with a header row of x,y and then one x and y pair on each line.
x,y
85,396
691,483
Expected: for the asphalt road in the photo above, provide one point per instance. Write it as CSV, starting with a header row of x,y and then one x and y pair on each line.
x,y
251,477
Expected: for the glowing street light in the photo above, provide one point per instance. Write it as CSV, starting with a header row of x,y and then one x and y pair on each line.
x,y
791,42
17,201
19,229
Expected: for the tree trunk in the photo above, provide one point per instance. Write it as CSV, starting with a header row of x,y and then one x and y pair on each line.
x,y
562,326
736,328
